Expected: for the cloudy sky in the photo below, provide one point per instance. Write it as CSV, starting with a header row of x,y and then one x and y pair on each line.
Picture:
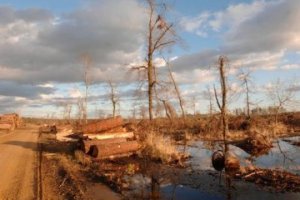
x,y
41,43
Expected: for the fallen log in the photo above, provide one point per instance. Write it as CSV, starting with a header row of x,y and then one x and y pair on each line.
x,y
85,145
6,126
102,125
104,136
103,151
13,117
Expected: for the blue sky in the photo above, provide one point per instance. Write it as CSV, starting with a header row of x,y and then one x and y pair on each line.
x,y
41,43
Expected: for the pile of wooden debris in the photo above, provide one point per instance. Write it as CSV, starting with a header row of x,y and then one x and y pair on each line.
x,y
108,138
10,122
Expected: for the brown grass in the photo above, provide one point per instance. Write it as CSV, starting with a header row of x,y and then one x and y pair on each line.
x,y
161,147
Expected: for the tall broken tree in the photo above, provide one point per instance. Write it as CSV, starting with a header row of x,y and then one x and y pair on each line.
x,y
160,35
113,97
245,78
223,107
177,91
87,62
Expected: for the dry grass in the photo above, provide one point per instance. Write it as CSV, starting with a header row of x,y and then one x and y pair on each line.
x,y
161,147
278,129
270,130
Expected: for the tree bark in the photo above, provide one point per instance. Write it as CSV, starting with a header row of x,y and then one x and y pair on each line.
x,y
103,151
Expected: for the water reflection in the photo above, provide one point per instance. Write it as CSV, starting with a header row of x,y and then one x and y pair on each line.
x,y
282,155
200,180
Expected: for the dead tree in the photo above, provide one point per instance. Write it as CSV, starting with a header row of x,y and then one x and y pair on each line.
x,y
80,109
223,107
177,91
245,77
280,94
113,97
87,62
160,35
210,98
67,112
208,95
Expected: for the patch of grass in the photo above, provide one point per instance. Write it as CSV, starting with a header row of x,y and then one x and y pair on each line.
x,y
161,147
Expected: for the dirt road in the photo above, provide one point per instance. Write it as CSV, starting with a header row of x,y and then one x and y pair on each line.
x,y
18,161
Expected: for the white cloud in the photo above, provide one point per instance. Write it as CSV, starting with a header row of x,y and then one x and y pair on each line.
x,y
194,24
290,66
194,76
258,40
232,16
35,47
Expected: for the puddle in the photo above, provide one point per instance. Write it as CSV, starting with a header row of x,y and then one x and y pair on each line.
x,y
201,181
181,192
282,155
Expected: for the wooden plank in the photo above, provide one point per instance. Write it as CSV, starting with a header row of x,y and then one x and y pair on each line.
x,y
102,125
102,151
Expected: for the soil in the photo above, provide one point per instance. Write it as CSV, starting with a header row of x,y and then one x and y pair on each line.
x,y
18,164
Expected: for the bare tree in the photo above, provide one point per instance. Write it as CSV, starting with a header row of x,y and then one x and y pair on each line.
x,y
160,35
113,97
245,77
87,62
67,109
210,98
280,94
223,107
143,111
177,91
80,109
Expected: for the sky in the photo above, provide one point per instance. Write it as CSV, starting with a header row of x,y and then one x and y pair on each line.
x,y
42,43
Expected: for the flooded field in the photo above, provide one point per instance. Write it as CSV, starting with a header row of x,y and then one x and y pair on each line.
x,y
200,181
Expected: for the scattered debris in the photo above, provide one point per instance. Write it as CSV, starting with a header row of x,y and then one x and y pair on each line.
x,y
280,181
